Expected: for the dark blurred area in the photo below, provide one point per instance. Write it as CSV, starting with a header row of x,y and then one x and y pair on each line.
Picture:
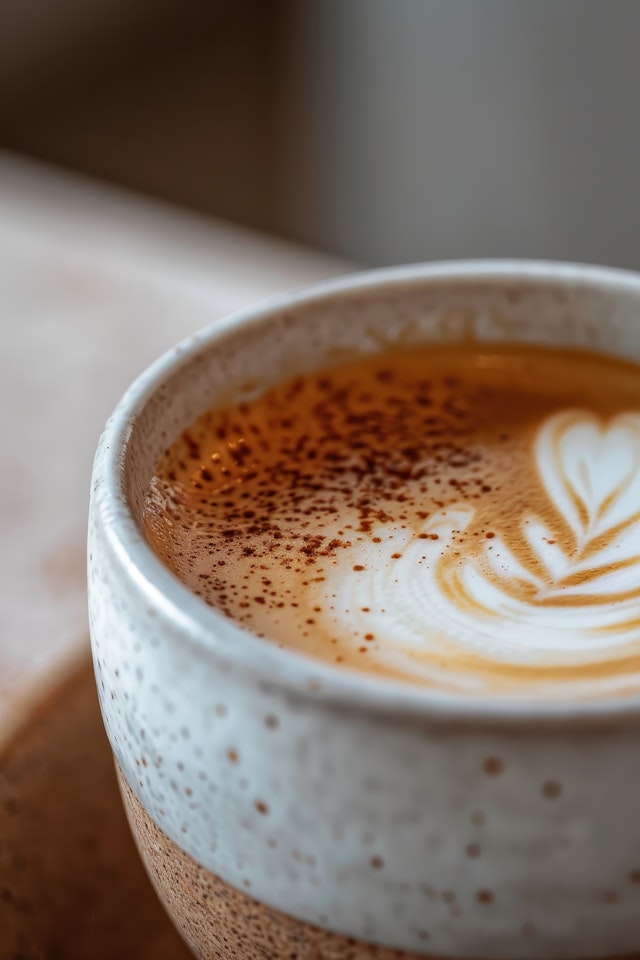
x,y
381,130
176,100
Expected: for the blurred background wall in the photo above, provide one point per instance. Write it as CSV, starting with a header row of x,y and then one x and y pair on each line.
x,y
381,130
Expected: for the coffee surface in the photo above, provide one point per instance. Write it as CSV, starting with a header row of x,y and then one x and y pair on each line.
x,y
467,518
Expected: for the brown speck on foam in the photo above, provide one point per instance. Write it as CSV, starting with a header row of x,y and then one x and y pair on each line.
x,y
551,789
484,897
493,766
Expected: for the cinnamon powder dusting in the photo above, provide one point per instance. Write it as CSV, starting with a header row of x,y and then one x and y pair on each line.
x,y
254,506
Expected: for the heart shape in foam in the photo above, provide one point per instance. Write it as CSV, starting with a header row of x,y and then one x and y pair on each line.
x,y
588,593
591,471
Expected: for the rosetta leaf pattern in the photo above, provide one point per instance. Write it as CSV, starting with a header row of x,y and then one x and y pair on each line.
x,y
580,570
590,473
558,589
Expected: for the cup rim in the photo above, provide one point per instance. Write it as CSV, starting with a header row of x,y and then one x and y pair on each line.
x,y
211,633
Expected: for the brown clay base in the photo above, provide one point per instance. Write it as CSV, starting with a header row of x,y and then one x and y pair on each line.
x,y
71,883
221,923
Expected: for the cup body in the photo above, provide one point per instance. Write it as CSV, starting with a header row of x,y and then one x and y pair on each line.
x,y
317,809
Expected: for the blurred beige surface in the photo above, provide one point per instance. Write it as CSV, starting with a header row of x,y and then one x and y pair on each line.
x,y
95,284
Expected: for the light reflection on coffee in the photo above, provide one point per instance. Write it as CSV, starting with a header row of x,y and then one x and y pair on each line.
x,y
463,517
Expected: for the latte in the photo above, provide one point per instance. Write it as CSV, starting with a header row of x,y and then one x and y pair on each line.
x,y
463,517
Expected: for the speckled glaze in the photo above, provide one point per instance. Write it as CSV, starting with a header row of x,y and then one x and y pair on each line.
x,y
419,821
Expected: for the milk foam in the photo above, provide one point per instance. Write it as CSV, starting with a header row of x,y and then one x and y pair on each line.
x,y
552,591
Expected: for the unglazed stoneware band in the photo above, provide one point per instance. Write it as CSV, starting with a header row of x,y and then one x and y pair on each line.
x,y
218,921
434,823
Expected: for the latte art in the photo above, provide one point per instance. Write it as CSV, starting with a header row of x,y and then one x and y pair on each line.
x,y
461,518
563,588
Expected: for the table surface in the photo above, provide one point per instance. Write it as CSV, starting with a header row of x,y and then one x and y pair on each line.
x,y
95,284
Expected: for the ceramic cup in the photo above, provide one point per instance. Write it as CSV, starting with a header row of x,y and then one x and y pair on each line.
x,y
284,808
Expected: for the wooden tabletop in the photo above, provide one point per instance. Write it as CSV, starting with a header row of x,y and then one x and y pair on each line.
x,y
95,284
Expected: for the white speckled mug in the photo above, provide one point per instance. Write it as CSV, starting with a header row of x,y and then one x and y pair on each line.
x,y
286,809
